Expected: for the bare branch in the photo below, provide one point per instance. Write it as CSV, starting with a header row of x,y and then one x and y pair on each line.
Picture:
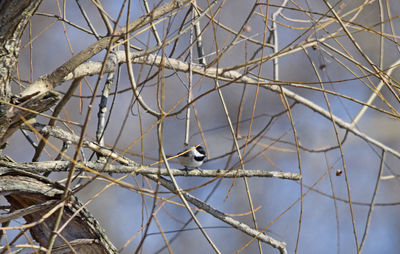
x,y
48,82
281,246
63,166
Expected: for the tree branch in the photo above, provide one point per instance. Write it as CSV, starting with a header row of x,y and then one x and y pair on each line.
x,y
63,166
281,246
27,192
237,77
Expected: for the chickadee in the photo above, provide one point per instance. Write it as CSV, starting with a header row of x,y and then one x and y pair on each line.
x,y
192,159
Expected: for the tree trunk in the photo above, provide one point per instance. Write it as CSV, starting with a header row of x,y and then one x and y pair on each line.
x,y
14,16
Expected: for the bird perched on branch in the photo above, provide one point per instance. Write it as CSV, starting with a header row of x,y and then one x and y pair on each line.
x,y
192,159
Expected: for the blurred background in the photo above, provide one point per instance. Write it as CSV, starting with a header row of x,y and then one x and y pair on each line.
x,y
313,54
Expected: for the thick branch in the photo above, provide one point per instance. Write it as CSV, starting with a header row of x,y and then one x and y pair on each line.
x,y
63,166
30,192
63,135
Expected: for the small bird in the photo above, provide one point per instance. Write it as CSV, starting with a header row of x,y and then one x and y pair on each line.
x,y
192,159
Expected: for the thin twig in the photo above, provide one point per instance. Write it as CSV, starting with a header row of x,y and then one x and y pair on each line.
x,y
181,195
85,16
153,27
228,118
372,205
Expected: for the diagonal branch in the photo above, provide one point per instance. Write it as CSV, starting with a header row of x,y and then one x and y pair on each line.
x,y
281,246
48,82
237,77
